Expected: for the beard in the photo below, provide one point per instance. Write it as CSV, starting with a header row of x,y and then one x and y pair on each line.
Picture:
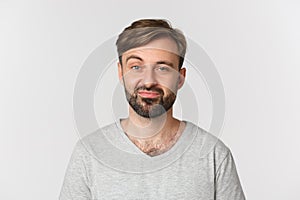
x,y
150,107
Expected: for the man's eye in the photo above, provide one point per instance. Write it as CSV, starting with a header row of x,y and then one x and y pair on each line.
x,y
163,68
135,67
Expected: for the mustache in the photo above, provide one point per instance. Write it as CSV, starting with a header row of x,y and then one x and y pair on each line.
x,y
152,89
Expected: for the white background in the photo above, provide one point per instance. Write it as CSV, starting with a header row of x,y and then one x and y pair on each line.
x,y
254,44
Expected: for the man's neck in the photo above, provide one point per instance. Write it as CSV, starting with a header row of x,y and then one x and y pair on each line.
x,y
152,135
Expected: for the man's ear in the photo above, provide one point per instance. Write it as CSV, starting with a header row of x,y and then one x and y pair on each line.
x,y
120,73
182,72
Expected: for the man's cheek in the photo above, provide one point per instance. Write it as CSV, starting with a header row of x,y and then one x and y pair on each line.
x,y
129,87
131,84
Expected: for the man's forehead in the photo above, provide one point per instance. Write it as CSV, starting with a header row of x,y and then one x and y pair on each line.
x,y
163,45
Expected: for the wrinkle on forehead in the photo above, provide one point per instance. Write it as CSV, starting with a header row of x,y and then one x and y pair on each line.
x,y
163,44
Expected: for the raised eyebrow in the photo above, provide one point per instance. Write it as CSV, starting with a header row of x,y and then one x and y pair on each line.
x,y
165,63
134,57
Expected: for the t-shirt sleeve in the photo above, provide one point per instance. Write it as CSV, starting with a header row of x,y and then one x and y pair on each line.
x,y
76,183
228,186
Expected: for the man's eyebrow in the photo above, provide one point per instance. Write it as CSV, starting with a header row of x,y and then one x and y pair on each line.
x,y
133,57
165,63
162,62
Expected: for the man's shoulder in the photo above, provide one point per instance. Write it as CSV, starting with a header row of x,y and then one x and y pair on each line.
x,y
207,142
100,132
95,137
95,142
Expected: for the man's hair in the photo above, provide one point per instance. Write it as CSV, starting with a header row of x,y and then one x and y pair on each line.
x,y
144,31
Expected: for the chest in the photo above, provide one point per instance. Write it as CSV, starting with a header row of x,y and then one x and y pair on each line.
x,y
178,181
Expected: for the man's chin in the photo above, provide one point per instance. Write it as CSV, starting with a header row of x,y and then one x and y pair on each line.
x,y
150,101
152,111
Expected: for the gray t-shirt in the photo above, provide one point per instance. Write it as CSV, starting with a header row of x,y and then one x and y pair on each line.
x,y
107,165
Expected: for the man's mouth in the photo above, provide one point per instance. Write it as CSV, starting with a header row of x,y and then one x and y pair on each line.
x,y
148,94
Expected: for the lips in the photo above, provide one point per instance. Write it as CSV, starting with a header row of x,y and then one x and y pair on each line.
x,y
148,94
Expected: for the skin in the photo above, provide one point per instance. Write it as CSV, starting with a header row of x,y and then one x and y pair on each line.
x,y
154,68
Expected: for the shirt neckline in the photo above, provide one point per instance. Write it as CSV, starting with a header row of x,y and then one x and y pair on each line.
x,y
179,147
112,148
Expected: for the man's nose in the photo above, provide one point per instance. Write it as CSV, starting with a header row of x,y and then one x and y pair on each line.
x,y
149,78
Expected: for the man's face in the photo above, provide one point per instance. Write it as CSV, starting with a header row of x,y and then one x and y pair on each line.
x,y
151,77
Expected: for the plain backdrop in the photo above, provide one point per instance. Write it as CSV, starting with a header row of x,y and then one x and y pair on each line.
x,y
254,44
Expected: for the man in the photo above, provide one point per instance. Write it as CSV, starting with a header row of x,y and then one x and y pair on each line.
x,y
151,154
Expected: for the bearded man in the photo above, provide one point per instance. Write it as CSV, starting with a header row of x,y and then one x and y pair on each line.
x,y
165,158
